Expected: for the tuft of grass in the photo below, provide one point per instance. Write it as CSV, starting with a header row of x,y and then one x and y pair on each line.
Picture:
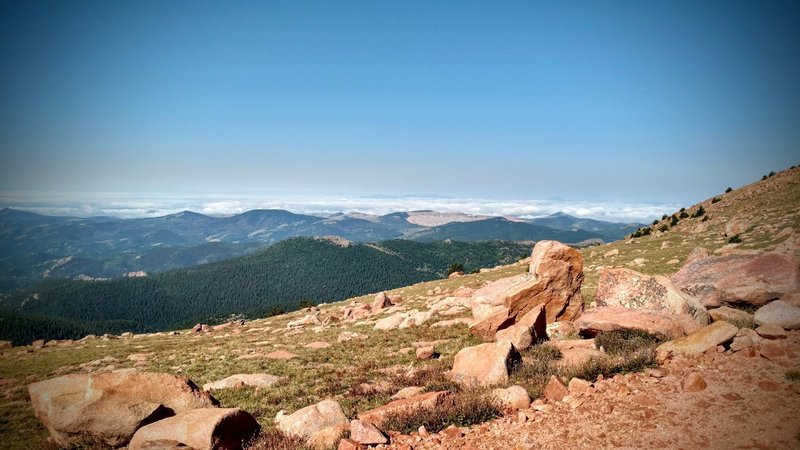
x,y
625,342
609,366
793,374
274,439
463,409
735,239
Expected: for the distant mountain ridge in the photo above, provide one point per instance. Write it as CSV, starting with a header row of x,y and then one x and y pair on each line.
x,y
33,246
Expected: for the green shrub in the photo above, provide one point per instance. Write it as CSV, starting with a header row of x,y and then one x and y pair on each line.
x,y
771,174
735,239
763,178
682,210
663,228
655,222
683,215
674,221
699,213
617,343
705,218
463,409
728,190
793,374
715,199
664,217
455,267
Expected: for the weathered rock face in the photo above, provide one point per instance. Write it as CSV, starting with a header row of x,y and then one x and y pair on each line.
x,y
485,364
313,419
241,380
556,274
200,429
607,318
778,313
700,341
630,289
561,330
494,320
427,400
555,390
381,302
528,330
111,406
753,279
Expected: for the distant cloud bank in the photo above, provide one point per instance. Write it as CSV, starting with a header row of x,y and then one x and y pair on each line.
x,y
153,205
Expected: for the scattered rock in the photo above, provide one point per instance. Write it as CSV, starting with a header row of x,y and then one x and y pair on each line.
x,y
349,444
485,364
611,253
693,382
243,379
528,330
578,386
630,289
515,397
663,324
561,330
345,336
380,302
366,433
452,322
318,421
391,322
455,275
280,354
310,319
778,313
555,390
200,429
110,407
426,352
427,400
753,279
771,331
732,315
700,341
317,345
407,392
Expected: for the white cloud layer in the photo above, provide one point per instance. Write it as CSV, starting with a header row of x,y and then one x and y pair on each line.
x,y
153,205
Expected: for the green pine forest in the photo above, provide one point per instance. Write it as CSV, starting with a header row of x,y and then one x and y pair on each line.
x,y
274,280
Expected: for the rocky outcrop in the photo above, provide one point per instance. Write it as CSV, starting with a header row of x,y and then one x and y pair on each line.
x,y
731,315
604,319
380,302
321,422
554,281
778,313
366,433
485,364
751,279
702,340
200,429
241,380
110,407
528,330
631,289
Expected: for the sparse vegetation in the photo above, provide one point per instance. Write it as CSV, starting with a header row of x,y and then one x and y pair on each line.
x,y
655,222
715,200
728,190
274,439
620,343
705,218
664,217
674,221
461,409
455,267
793,374
699,212
771,174
663,228
735,239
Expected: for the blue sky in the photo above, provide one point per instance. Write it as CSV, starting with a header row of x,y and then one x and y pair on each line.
x,y
608,102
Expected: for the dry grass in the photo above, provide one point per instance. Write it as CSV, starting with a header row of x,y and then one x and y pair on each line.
x,y
274,439
461,409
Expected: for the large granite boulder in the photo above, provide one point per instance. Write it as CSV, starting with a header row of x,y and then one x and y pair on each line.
x,y
739,279
484,364
199,429
110,407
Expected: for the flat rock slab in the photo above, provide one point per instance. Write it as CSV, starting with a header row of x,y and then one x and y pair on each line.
x,y
659,323
701,341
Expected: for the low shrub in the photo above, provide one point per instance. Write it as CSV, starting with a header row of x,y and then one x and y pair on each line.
x,y
700,212
461,409
715,200
623,342
663,228
793,374
728,190
274,439
705,218
735,239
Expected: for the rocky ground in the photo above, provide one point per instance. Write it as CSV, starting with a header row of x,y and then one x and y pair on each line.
x,y
726,385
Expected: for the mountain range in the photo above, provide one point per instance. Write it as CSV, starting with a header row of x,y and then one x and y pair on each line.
x,y
35,246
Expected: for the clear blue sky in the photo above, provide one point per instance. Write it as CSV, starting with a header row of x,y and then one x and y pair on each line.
x,y
632,101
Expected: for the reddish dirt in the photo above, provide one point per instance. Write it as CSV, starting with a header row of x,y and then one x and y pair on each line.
x,y
748,404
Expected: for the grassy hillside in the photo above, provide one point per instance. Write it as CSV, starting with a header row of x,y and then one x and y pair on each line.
x,y
265,283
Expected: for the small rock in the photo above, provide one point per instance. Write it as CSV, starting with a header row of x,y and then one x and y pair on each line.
x,y
693,382
771,331
555,390
515,397
578,386
366,433
426,352
779,313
